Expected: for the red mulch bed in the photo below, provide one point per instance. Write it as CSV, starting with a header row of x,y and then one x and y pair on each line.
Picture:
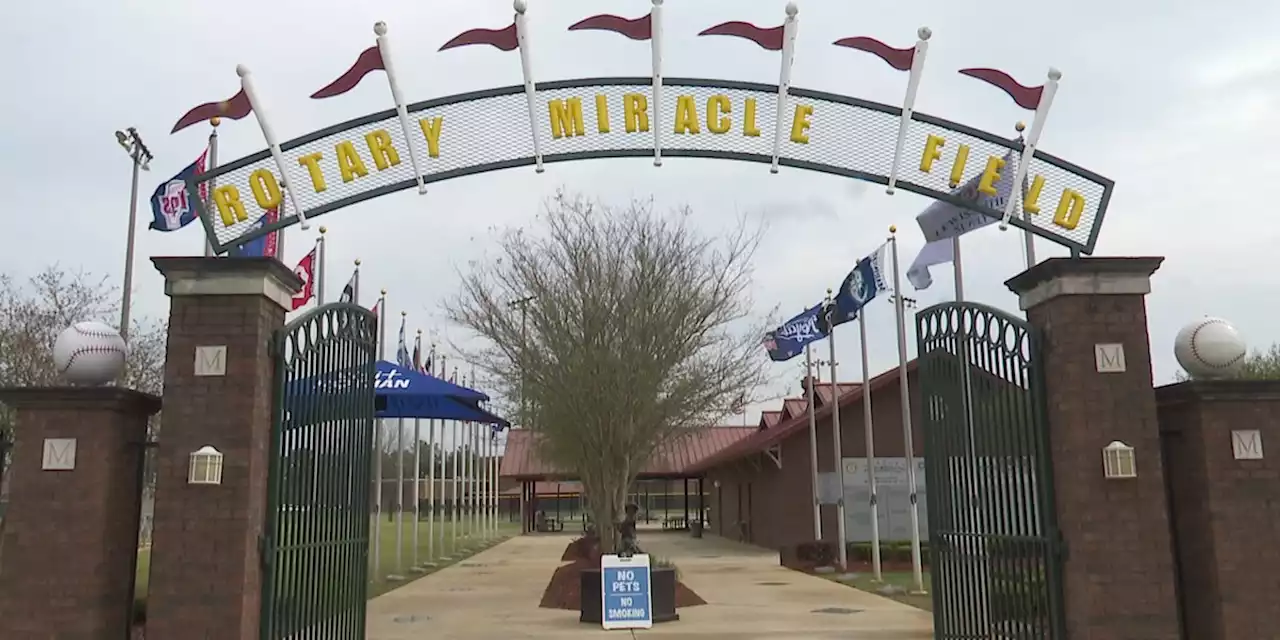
x,y
564,589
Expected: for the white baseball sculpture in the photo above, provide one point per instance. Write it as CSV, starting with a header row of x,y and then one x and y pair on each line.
x,y
89,353
1210,348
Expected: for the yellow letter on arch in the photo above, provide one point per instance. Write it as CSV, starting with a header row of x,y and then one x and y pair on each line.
x,y
932,151
800,124
566,118
230,209
1070,208
349,163
718,108
380,147
686,120
266,189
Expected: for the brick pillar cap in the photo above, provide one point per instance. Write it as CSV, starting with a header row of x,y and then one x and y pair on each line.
x,y
1219,391
1083,276
1054,268
203,276
116,398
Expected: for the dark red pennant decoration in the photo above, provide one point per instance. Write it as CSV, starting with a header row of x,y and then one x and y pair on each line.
x,y
232,109
370,60
899,59
1027,97
770,39
637,29
503,39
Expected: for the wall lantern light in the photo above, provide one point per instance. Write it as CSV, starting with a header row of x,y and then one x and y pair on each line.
x,y
716,483
1118,461
205,466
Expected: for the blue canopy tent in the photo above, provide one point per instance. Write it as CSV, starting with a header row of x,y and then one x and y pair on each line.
x,y
404,393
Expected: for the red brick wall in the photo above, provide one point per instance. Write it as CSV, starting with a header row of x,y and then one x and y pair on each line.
x,y
205,531
783,513
1226,511
70,536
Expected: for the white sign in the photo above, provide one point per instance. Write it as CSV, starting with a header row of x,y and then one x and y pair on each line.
x,y
893,499
59,454
1246,445
1109,358
211,360
626,592
828,488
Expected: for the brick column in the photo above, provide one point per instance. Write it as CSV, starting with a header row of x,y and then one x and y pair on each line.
x,y
1119,576
205,578
1222,441
67,555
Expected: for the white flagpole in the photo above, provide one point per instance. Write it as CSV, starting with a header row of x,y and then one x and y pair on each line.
x,y
213,183
655,47
384,49
443,495
320,251
530,91
259,112
399,496
453,521
1028,238
837,449
869,434
899,303
1033,138
909,104
377,443
789,29
431,482
957,270
813,440
416,493
475,478
493,474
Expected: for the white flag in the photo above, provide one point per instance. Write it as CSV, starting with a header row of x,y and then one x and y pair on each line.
x,y
933,253
945,220
942,221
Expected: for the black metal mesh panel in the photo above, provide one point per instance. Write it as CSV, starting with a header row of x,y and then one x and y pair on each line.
x,y
492,132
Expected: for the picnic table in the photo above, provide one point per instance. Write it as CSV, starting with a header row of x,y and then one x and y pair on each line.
x,y
674,522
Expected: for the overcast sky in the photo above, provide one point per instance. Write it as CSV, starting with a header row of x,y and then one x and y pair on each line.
x,y
1174,100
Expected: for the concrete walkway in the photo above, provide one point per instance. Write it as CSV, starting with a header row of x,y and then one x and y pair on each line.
x,y
495,594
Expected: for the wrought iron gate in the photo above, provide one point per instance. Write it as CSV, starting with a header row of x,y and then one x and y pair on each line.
x,y
315,551
993,532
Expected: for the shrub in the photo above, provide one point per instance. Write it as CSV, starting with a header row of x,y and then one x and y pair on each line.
x,y
818,553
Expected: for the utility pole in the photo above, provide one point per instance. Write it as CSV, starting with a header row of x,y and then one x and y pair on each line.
x,y
523,304
141,156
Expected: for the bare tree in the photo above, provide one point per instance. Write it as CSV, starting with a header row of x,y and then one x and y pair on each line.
x,y
638,332
33,313
1258,365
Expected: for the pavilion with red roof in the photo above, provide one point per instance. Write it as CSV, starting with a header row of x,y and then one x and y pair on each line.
x,y
751,483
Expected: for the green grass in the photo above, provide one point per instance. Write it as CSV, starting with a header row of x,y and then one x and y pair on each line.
x,y
462,549
386,565
904,579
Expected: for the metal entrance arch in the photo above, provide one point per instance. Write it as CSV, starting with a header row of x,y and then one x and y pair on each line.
x,y
993,532
315,549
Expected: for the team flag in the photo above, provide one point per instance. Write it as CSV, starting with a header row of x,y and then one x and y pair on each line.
x,y
171,206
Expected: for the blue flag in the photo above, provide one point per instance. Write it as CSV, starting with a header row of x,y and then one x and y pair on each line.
x,y
859,287
788,340
262,246
171,205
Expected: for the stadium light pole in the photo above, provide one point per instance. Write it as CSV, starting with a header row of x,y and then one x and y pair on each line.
x,y
523,304
131,141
